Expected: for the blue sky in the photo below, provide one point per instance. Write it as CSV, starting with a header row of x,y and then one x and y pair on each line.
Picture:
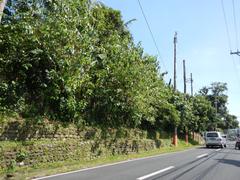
x,y
202,39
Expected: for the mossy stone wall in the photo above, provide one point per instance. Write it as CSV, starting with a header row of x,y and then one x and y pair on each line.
x,y
28,144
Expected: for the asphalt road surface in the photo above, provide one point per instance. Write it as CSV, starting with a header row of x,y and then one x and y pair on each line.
x,y
198,163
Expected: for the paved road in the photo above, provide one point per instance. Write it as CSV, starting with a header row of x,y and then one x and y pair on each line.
x,y
199,163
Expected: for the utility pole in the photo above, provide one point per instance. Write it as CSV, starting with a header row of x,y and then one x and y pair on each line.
x,y
216,107
185,92
175,61
191,80
184,77
236,53
175,138
2,6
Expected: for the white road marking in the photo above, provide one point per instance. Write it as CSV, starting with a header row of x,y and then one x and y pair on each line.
x,y
217,149
202,155
112,164
155,173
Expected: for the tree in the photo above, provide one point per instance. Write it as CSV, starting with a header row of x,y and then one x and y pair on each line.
x,y
216,94
204,114
76,61
229,122
39,64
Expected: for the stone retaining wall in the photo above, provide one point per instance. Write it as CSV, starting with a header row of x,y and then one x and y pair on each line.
x,y
26,144
22,131
40,152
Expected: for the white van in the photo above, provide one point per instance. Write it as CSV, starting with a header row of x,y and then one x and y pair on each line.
x,y
214,138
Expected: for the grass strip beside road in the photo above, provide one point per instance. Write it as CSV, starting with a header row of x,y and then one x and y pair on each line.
x,y
46,169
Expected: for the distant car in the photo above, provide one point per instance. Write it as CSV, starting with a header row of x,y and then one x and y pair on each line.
x,y
214,138
237,145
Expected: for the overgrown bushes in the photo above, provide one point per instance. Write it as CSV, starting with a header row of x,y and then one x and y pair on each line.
x,y
76,61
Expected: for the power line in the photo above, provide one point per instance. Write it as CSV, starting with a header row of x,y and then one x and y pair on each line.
x,y
226,25
151,33
235,23
229,39
236,28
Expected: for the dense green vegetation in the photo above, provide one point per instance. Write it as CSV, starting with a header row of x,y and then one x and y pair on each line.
x,y
76,61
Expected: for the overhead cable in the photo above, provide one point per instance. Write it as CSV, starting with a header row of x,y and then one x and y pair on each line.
x,y
151,33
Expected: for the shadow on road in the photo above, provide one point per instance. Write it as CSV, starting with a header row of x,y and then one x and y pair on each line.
x,y
227,152
193,164
230,161
204,147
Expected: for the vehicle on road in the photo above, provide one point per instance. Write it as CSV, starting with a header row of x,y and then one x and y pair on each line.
x,y
214,139
237,145
224,136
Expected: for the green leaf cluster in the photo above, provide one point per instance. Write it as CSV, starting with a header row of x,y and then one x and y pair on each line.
x,y
76,61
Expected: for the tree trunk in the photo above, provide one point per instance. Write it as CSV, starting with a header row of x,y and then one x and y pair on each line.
x,y
175,138
2,6
186,135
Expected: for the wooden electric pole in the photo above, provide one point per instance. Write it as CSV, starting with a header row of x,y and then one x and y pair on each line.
x,y
191,80
175,138
175,61
184,77
2,6
185,92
